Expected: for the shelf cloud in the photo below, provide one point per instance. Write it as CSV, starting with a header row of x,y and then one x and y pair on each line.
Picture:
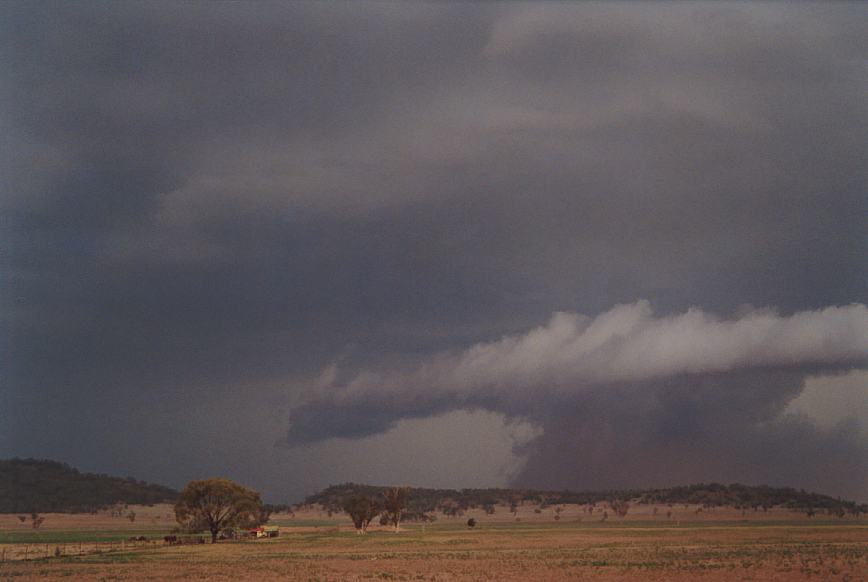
x,y
645,386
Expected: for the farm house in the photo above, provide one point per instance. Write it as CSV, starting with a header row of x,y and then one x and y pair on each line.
x,y
265,531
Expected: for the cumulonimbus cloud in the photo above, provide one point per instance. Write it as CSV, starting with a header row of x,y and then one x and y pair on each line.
x,y
573,354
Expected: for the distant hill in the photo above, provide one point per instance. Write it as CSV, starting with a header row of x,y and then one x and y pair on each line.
x,y
28,485
709,495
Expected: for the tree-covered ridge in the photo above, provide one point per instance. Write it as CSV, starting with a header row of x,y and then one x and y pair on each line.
x,y
748,497
34,485
708,495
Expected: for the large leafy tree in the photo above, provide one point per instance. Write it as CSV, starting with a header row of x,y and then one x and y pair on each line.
x,y
218,504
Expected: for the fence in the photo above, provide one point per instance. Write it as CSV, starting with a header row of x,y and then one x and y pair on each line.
x,y
41,551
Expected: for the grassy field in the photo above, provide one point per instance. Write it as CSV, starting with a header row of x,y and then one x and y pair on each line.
x,y
312,547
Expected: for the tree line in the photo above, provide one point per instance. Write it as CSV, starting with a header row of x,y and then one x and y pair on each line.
x,y
217,506
457,501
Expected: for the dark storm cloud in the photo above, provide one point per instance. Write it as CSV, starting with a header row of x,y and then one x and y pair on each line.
x,y
211,200
626,393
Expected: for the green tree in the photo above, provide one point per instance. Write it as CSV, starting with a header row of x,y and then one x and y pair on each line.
x,y
218,504
620,506
35,520
394,503
361,509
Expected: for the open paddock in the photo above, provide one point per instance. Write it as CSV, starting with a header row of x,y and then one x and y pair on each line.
x,y
313,547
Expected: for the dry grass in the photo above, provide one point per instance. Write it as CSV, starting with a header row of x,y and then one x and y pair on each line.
x,y
312,547
160,516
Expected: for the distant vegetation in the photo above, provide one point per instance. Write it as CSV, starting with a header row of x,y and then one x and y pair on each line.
x,y
31,485
747,497
456,502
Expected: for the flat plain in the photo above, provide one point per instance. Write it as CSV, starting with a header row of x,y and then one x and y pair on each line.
x,y
646,545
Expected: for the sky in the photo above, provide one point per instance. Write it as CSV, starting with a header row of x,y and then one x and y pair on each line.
x,y
559,245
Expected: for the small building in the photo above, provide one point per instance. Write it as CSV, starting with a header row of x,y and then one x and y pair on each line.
x,y
264,531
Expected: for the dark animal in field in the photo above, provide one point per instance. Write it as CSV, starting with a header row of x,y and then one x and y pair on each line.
x,y
171,539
